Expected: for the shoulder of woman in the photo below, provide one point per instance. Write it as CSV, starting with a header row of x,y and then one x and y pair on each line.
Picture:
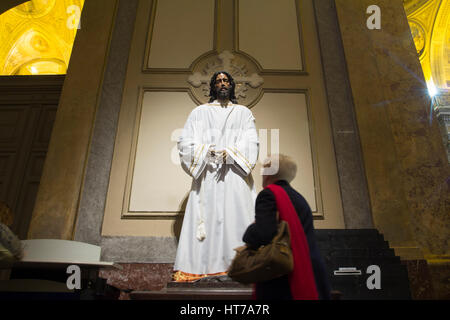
x,y
266,194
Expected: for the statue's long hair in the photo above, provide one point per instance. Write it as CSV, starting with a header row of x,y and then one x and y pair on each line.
x,y
212,87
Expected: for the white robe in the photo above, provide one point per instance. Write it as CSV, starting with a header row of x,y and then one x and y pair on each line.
x,y
222,197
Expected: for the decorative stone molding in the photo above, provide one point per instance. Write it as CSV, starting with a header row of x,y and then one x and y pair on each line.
x,y
419,36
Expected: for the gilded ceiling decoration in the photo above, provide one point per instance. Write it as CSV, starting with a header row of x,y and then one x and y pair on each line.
x,y
412,5
419,36
429,21
35,9
37,37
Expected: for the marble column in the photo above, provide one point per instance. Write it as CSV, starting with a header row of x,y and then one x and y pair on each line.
x,y
347,144
405,161
57,200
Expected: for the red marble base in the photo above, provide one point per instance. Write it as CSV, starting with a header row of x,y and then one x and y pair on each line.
x,y
138,277
420,281
440,273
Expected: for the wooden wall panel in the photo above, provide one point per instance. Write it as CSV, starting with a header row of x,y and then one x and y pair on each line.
x,y
27,112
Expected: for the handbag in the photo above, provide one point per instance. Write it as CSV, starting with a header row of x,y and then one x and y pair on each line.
x,y
265,263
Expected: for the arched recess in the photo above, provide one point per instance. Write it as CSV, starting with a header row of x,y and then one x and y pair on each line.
x,y
33,43
440,48
42,66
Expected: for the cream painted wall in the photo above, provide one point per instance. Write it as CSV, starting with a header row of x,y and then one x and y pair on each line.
x,y
157,186
287,113
157,101
161,119
182,30
268,31
159,183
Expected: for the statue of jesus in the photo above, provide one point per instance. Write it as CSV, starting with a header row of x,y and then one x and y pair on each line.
x,y
219,149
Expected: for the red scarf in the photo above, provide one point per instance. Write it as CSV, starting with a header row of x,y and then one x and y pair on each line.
x,y
301,279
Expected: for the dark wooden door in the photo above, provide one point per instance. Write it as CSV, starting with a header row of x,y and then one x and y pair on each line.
x,y
27,112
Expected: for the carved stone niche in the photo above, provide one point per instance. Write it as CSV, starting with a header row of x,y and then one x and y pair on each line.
x,y
243,70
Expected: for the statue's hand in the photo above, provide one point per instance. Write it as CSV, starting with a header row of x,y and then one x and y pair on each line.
x,y
221,156
212,153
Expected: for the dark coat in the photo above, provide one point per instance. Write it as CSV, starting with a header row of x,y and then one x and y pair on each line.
x,y
264,229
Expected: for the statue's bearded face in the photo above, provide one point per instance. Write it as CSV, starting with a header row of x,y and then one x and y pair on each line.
x,y
222,86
